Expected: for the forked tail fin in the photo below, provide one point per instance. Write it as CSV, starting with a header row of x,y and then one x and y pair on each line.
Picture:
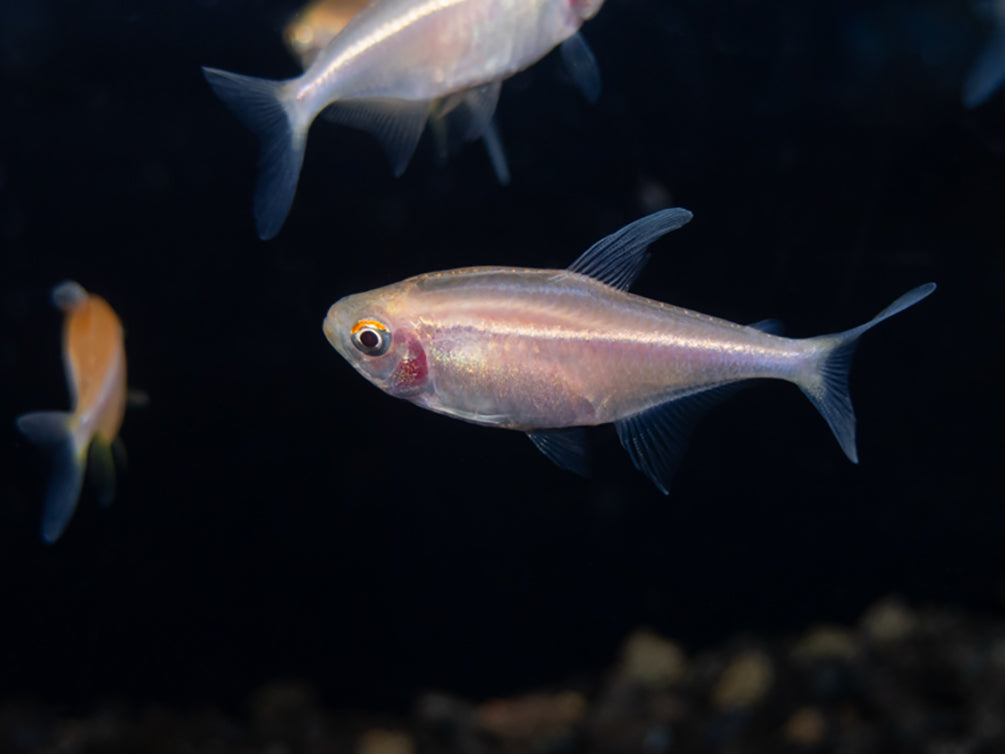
x,y
827,385
53,432
282,131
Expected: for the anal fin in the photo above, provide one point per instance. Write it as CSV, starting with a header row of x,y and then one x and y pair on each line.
x,y
566,448
396,123
656,438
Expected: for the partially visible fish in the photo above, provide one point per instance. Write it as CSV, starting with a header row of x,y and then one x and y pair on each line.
x,y
95,363
550,351
313,28
392,62
316,24
988,72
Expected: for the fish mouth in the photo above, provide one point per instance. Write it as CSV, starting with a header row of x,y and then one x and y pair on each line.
x,y
328,327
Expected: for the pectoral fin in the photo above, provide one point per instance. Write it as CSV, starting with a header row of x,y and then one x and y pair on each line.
x,y
101,465
496,153
582,66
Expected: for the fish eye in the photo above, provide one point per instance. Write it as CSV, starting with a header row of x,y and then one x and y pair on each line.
x,y
371,337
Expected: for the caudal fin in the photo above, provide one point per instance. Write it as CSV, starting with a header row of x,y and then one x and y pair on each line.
x,y
52,431
261,106
827,385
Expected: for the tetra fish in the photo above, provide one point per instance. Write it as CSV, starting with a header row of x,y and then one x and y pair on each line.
x,y
392,63
95,363
550,351
313,28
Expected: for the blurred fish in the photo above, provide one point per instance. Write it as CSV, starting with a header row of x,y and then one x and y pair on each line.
x,y
988,72
550,351
95,363
318,23
392,62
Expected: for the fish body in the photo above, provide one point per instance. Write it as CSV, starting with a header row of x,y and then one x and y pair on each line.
x,y
455,118
548,351
394,62
426,49
94,359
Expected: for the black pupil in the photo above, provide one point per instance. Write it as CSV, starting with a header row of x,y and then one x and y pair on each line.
x,y
369,339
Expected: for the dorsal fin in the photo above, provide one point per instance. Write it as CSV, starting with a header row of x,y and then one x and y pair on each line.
x,y
618,259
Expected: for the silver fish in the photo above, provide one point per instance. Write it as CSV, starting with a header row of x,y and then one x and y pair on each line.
x,y
394,64
551,351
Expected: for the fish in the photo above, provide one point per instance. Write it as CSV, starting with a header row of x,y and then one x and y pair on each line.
x,y
312,29
394,64
550,352
988,72
94,359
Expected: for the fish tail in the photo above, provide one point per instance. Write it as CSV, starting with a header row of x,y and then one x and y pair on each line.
x,y
826,381
53,431
265,108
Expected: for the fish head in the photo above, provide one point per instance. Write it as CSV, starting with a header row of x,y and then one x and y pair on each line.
x,y
585,9
381,345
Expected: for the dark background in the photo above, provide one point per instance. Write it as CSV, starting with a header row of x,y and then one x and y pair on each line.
x,y
280,517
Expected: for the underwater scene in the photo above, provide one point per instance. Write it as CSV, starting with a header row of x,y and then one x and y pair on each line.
x,y
409,376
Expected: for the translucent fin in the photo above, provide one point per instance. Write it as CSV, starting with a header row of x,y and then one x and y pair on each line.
x,y
618,259
479,106
988,72
51,431
260,105
119,453
465,116
137,398
770,326
397,124
565,447
827,386
496,153
656,438
68,295
582,66
101,465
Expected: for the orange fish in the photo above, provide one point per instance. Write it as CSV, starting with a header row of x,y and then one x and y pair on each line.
x,y
317,24
95,363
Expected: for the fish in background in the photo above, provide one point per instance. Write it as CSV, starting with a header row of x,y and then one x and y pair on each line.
x,y
315,25
548,352
988,72
95,363
394,65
